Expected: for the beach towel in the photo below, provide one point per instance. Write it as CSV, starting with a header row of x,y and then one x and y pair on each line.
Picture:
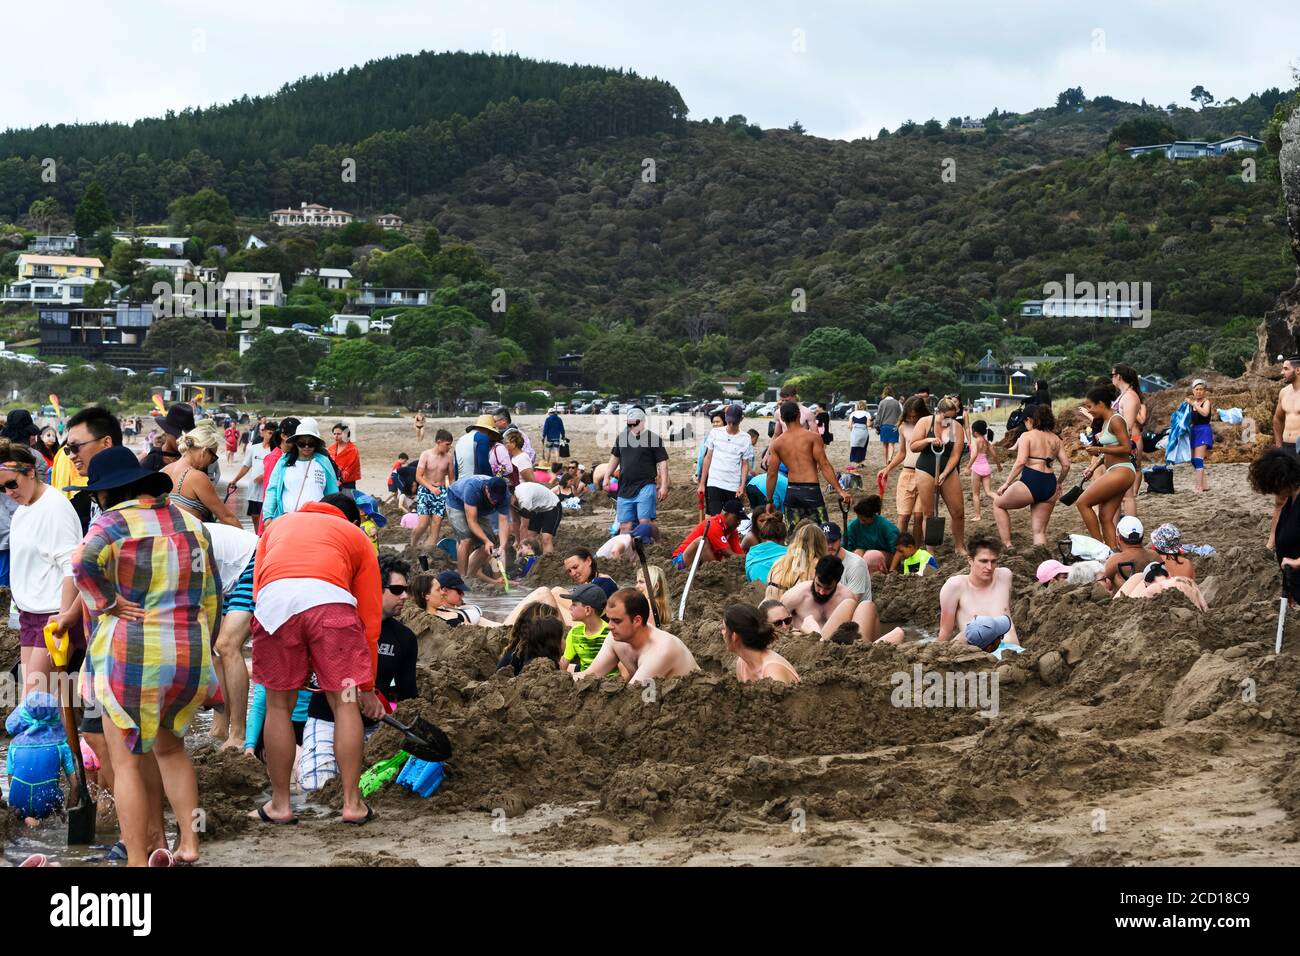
x,y
1230,416
1178,445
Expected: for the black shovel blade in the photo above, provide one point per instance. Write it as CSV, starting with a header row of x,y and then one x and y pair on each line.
x,y
934,528
424,741
81,819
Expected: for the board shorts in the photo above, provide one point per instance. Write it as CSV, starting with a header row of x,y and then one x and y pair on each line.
x,y
460,524
31,630
640,507
254,508
1202,435
804,500
715,498
544,522
329,640
889,434
240,597
429,503
905,496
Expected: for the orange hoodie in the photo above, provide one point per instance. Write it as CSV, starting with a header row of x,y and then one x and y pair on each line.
x,y
317,541
348,459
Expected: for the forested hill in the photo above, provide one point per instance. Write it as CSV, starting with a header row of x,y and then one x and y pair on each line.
x,y
394,93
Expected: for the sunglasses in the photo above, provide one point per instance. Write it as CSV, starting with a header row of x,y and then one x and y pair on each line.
x,y
10,485
306,443
76,446
784,621
396,590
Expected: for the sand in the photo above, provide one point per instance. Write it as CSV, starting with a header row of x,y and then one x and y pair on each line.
x,y
1130,732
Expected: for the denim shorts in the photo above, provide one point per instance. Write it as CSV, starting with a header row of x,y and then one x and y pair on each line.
x,y
638,508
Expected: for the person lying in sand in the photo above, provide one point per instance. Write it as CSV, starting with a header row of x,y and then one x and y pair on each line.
x,y
748,636
1154,579
620,545
975,608
1131,557
716,534
647,652
812,602
580,565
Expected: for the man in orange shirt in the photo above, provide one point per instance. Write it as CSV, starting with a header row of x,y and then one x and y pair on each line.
x,y
319,607
345,455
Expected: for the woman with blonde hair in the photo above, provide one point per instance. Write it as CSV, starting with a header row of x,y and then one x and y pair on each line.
x,y
807,547
191,487
662,596
938,440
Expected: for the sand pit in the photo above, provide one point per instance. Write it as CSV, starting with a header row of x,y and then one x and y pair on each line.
x,y
1182,727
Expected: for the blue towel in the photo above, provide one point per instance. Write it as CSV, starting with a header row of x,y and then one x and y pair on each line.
x,y
1178,445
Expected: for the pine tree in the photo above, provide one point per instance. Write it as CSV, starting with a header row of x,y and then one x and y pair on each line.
x,y
92,212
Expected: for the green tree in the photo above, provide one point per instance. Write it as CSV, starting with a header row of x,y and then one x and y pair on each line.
x,y
98,295
351,366
621,358
1142,131
463,262
403,268
43,214
207,206
1201,95
92,212
910,375
280,364
183,341
1069,99
432,242
797,127
707,388
352,331
123,264
828,347
754,387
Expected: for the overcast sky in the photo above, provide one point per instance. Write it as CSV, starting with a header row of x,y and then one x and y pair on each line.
x,y
844,69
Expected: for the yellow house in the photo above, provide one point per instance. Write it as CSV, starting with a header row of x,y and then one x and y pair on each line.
x,y
53,278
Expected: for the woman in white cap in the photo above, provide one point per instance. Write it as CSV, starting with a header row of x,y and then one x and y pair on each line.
x,y
1202,434
304,473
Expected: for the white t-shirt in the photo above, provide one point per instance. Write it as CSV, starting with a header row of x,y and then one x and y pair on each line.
x,y
42,537
535,497
856,576
523,463
295,495
606,550
255,462
729,451
232,549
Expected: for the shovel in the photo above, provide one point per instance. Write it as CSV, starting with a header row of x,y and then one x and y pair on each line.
x,y
1281,612
934,527
645,573
81,816
423,741
681,608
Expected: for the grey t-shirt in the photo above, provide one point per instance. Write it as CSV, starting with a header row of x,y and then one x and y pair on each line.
x,y
890,411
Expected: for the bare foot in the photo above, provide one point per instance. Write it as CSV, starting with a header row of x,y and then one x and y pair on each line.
x,y
233,742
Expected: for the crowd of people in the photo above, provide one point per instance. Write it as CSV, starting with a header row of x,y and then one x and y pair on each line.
x,y
138,560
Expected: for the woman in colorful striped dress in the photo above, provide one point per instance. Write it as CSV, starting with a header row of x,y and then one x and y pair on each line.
x,y
146,572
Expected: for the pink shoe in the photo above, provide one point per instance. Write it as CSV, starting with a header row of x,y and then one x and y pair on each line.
x,y
162,857
36,859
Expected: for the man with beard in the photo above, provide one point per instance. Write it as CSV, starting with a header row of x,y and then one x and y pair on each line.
x,y
812,602
1286,419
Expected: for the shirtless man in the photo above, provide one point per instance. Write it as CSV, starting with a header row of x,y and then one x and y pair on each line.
x,y
975,608
813,603
1128,535
432,475
647,653
419,425
1286,419
804,455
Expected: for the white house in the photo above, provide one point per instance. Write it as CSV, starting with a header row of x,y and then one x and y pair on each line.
x,y
67,245
1196,149
243,290
329,278
389,221
246,335
173,244
1066,307
311,214
339,323
181,269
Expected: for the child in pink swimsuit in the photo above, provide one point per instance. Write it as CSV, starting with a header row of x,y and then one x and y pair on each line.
x,y
979,466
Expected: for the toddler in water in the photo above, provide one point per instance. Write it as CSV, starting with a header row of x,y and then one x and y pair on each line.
x,y
38,754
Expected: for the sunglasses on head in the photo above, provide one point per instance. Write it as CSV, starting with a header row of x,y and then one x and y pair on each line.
x,y
396,590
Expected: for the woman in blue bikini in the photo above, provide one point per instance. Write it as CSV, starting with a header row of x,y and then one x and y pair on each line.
x,y
1113,448
1031,483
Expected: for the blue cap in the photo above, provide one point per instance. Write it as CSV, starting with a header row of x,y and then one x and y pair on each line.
x,y
497,488
452,581
984,630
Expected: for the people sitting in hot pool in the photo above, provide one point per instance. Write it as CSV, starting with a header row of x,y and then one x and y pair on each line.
x,y
717,535
37,755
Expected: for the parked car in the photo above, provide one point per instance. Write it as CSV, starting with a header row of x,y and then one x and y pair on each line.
x,y
766,411
304,327
57,368
842,409
612,408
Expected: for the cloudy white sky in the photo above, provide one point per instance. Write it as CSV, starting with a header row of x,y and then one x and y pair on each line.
x,y
863,65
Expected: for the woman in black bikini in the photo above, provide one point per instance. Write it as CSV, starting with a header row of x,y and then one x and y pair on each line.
x,y
939,440
1031,483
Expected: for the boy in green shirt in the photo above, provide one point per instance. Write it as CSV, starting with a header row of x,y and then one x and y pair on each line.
x,y
871,536
589,630
912,559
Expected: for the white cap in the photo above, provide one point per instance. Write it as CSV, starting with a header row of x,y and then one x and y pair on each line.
x,y
307,427
1130,529
1199,381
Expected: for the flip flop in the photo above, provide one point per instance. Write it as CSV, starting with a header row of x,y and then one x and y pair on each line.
x,y
161,857
370,815
116,852
267,818
36,859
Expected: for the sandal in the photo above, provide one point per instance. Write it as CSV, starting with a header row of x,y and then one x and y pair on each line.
x,y
370,815
161,857
267,818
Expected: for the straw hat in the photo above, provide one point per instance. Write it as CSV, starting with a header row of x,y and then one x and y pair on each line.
x,y
487,423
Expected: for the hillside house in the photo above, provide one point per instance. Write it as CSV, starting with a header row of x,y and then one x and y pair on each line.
x,y
329,278
1197,149
53,279
68,245
389,221
243,290
311,214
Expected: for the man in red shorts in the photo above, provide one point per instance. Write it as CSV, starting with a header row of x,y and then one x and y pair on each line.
x,y
318,610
